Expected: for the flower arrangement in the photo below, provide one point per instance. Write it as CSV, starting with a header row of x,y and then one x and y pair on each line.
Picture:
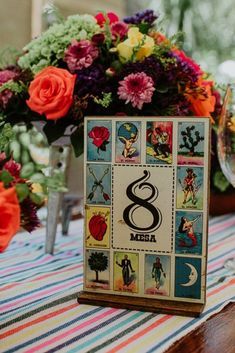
x,y
18,201
101,65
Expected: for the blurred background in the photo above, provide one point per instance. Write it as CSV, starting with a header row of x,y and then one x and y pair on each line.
x,y
209,38
208,25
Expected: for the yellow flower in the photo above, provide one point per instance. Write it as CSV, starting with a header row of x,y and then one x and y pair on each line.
x,y
138,46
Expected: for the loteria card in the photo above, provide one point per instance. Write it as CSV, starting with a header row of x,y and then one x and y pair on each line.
x,y
146,208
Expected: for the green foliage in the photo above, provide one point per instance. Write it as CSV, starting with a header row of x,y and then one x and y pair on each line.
x,y
6,135
105,101
220,182
98,262
6,177
49,48
15,87
191,140
77,140
8,56
22,191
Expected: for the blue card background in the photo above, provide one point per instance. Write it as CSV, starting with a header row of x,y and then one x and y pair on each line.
x,y
182,272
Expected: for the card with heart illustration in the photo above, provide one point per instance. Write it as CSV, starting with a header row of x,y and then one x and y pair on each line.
x,y
97,226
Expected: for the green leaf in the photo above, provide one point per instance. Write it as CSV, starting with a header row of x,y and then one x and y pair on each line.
x,y
54,131
22,191
36,198
6,177
27,170
77,141
38,178
220,182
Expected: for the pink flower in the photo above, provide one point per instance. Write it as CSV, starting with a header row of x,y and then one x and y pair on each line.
x,y
5,96
6,75
110,16
119,30
137,89
13,168
80,54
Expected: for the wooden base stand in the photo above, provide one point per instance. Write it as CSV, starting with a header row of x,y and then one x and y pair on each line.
x,y
141,304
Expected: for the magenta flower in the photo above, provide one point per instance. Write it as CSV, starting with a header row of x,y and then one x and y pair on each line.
x,y
119,30
5,96
80,54
136,89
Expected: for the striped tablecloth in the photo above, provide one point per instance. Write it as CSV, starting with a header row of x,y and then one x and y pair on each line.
x,y
39,312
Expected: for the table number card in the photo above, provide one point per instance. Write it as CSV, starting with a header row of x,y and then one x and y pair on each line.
x,y
146,213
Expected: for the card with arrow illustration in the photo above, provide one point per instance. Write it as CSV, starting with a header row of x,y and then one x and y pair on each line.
x,y
98,184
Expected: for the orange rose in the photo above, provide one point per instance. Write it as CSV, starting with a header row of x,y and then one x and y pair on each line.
x,y
9,215
203,102
51,92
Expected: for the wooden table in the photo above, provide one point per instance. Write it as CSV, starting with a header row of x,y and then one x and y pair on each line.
x,y
215,335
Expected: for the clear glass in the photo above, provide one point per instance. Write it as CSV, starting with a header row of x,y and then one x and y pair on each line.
x,y
226,148
226,135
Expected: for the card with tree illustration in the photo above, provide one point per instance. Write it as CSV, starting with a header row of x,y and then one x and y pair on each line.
x,y
146,212
97,275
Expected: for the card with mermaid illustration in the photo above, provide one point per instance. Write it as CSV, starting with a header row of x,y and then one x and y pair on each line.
x,y
159,142
128,142
188,232
99,140
97,229
126,268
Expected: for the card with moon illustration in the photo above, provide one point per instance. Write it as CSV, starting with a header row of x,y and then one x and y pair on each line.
x,y
188,277
146,209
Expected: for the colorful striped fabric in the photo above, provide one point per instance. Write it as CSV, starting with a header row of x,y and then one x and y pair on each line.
x,y
39,311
